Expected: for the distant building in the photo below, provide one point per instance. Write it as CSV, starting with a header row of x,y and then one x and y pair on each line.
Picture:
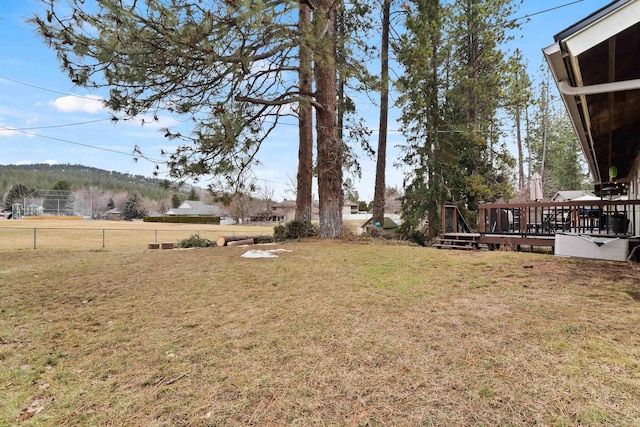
x,y
286,211
349,208
114,214
568,195
196,208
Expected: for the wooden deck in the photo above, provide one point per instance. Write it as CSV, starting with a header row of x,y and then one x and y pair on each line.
x,y
466,241
529,225
594,217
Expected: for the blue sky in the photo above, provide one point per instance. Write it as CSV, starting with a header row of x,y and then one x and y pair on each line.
x,y
45,118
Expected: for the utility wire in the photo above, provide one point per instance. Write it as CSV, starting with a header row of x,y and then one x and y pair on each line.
x,y
547,10
95,147
58,126
266,121
46,89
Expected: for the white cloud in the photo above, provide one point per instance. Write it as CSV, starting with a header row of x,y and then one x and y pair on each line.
x,y
7,131
50,162
23,162
86,104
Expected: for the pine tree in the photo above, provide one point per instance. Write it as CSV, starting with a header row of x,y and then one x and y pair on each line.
x,y
193,195
421,52
517,99
380,185
133,207
330,149
305,118
224,67
175,201
565,167
478,29
451,92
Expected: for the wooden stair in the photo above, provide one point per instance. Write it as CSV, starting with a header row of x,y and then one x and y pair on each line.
x,y
461,241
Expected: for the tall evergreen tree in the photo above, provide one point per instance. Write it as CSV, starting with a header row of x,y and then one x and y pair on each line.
x,y
330,148
478,29
517,99
175,200
565,166
305,117
133,207
193,195
380,185
451,92
420,51
225,66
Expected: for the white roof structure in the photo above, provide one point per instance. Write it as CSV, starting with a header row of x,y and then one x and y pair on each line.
x,y
596,66
196,208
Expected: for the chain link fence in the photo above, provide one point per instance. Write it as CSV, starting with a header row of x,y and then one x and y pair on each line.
x,y
96,238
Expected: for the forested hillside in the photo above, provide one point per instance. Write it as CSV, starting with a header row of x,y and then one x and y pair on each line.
x,y
44,176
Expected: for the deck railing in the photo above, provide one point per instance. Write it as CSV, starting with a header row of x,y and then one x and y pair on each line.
x,y
596,217
453,221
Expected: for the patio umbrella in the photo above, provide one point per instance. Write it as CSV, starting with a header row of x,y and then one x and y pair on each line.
x,y
536,187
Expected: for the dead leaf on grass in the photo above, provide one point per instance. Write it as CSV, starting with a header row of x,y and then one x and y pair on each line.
x,y
34,408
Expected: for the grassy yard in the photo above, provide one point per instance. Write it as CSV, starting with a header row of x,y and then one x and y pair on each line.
x,y
329,334
52,234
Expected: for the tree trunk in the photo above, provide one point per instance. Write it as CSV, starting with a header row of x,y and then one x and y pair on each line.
x,y
330,150
225,240
379,194
521,183
528,142
241,242
305,123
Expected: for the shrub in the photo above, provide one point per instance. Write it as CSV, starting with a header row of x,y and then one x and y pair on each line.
x,y
294,230
418,237
184,219
195,241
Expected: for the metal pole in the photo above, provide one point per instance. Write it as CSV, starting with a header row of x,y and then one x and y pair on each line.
x,y
156,236
103,237
34,237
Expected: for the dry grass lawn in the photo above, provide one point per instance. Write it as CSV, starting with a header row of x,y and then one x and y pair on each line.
x,y
52,234
329,334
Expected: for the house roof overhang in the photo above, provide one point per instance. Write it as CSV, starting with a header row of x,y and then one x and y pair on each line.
x,y
596,65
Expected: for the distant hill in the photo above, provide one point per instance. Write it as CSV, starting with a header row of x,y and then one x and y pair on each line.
x,y
44,176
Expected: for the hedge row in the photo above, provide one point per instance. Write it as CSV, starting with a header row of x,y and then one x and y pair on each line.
x,y
184,219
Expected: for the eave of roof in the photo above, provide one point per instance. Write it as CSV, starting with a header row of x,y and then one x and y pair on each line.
x,y
595,16
594,88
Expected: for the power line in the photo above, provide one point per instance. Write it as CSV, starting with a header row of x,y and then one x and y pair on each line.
x,y
58,126
134,156
44,88
547,10
66,141
374,130
266,121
